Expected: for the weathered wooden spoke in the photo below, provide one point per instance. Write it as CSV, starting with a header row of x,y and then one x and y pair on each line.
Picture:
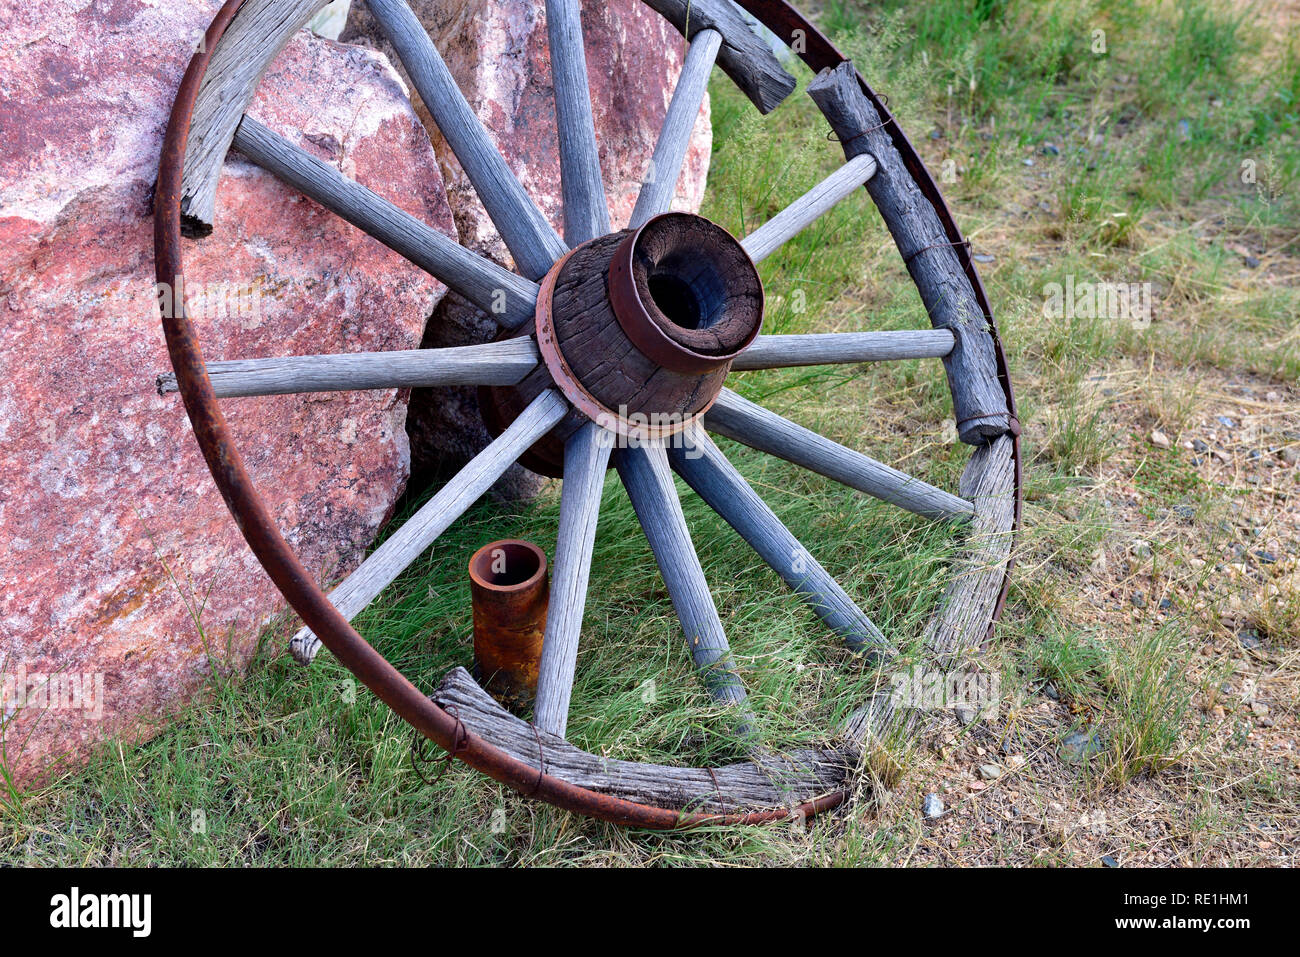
x,y
529,237
586,214
628,340
586,456
805,210
405,545
649,483
675,136
749,423
836,348
706,470
494,363
509,297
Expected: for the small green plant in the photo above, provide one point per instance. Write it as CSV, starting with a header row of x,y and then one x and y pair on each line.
x,y
1278,617
1132,695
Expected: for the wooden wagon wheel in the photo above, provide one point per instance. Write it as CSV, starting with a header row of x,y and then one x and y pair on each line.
x,y
673,305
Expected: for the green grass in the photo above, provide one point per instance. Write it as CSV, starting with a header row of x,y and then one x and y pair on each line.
x,y
1134,694
290,766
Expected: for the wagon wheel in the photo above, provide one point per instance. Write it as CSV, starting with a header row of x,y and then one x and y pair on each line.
x,y
663,312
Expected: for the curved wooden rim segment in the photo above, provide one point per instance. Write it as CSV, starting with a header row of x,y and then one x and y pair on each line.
x,y
297,584
818,54
270,24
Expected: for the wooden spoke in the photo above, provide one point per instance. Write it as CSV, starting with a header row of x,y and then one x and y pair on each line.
x,y
586,213
649,482
715,479
796,217
675,137
499,292
527,234
493,363
586,456
738,418
833,348
405,545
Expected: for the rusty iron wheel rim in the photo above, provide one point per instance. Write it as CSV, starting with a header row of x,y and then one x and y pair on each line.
x,y
299,587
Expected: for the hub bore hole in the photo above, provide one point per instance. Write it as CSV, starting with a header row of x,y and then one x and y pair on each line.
x,y
688,288
686,293
676,300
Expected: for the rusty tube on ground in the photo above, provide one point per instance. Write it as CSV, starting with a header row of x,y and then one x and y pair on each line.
x,y
510,592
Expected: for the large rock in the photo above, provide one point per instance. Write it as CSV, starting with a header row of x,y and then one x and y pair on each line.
x,y
118,559
498,52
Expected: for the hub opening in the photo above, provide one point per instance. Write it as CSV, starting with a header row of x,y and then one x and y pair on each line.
x,y
688,290
686,293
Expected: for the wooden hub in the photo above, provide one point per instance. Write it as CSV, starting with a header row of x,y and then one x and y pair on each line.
x,y
637,329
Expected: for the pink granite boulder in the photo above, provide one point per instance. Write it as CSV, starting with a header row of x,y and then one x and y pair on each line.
x,y
124,583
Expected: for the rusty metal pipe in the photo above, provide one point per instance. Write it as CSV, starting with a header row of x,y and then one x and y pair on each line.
x,y
510,592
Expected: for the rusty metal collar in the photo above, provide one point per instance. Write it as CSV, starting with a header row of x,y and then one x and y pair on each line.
x,y
611,420
718,269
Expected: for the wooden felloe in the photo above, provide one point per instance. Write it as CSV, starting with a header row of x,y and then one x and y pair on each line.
x,y
979,403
